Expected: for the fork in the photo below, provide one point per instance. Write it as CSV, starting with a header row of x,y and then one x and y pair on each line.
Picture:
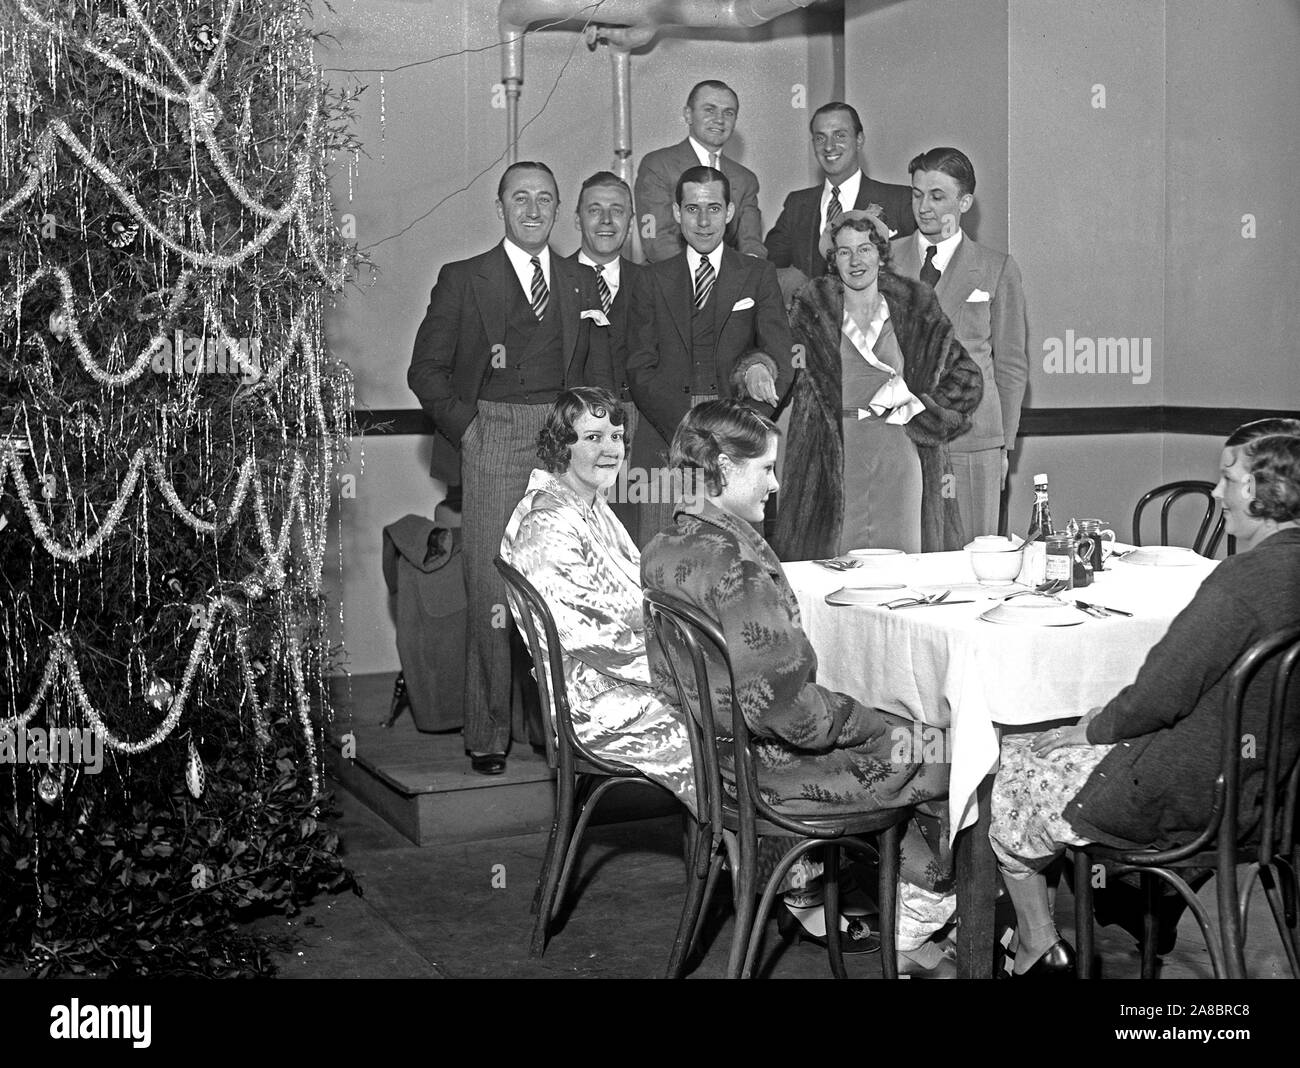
x,y
837,564
913,602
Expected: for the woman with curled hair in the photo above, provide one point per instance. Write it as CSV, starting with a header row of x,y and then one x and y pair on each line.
x,y
815,750
885,386
1139,772
567,542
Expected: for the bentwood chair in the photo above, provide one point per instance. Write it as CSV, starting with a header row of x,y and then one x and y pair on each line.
x,y
733,820
1269,847
582,777
1171,492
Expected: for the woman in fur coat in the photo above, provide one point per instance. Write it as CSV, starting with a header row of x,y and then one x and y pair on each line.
x,y
885,386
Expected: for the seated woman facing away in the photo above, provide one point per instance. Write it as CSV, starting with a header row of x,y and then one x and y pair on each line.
x,y
569,545
816,751
1140,771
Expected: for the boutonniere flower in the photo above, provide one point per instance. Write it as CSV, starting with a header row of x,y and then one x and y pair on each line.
x,y
596,316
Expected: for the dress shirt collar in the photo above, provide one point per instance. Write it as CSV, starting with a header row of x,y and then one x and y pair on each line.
x,y
848,191
702,152
943,250
693,262
522,262
610,270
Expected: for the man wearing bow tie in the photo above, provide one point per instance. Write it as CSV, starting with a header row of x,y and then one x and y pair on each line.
x,y
710,116
980,290
837,140
706,323
504,332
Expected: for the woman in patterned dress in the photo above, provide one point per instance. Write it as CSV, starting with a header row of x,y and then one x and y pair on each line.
x,y
567,542
815,750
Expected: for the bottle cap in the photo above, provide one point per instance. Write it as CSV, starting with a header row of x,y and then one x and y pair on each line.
x,y
1040,480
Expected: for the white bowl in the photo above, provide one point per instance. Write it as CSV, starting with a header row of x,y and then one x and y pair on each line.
x,y
1034,611
995,560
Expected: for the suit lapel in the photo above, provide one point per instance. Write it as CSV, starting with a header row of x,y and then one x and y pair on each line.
x,y
813,230
963,271
674,278
564,288
490,294
726,290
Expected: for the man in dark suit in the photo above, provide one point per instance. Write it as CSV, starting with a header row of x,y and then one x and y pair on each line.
x,y
707,323
603,218
710,114
980,290
837,140
504,332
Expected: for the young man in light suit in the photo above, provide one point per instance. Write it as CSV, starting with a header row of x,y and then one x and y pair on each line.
x,y
710,115
706,323
980,290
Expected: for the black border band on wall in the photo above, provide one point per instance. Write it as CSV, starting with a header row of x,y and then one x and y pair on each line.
x,y
1034,422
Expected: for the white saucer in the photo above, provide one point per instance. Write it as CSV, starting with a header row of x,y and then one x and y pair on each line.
x,y
1032,611
1162,556
866,595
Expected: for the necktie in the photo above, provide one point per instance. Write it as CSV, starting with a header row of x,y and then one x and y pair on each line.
x,y
540,294
714,161
703,282
602,287
833,206
929,272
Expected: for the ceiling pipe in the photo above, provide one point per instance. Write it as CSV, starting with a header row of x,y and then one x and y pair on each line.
x,y
623,25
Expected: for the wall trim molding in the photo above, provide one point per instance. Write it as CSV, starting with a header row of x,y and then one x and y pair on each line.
x,y
1034,422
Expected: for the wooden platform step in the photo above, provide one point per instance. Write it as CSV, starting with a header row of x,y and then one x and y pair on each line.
x,y
422,783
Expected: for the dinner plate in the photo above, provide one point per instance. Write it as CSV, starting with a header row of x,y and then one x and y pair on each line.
x,y
877,555
1162,556
869,595
1033,612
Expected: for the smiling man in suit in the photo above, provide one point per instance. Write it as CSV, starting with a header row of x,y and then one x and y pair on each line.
x,y
710,115
980,290
707,323
504,332
837,140
603,218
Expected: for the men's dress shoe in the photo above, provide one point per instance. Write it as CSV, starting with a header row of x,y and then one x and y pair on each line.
x,y
488,764
1056,963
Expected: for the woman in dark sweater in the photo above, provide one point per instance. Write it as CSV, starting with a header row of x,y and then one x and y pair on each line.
x,y
1139,772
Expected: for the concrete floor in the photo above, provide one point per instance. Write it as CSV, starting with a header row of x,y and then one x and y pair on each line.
x,y
461,911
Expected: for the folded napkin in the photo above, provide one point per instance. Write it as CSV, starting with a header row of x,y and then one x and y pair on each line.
x,y
897,400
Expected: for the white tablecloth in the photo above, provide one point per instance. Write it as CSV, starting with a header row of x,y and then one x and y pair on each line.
x,y
946,667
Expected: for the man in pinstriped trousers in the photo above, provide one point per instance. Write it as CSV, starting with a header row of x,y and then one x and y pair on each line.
x,y
505,331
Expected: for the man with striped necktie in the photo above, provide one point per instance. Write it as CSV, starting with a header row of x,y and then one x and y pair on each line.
x,y
710,116
837,140
706,323
505,332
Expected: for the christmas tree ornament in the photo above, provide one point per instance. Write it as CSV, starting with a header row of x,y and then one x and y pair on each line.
x,y
120,230
203,38
58,324
205,109
48,789
158,694
112,32
195,776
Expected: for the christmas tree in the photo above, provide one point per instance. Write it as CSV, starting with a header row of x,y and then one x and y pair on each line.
x,y
170,426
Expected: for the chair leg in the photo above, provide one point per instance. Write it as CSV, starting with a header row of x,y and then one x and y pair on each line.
x,y
831,908
1083,919
1234,961
585,808
758,921
745,906
710,885
566,788
887,899
1287,932
698,867
546,866
1150,924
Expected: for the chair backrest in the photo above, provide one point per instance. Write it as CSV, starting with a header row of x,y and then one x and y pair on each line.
x,y
699,662
1174,491
1278,790
534,617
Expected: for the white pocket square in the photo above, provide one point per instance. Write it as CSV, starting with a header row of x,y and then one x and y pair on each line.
x,y
978,296
596,316
743,303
